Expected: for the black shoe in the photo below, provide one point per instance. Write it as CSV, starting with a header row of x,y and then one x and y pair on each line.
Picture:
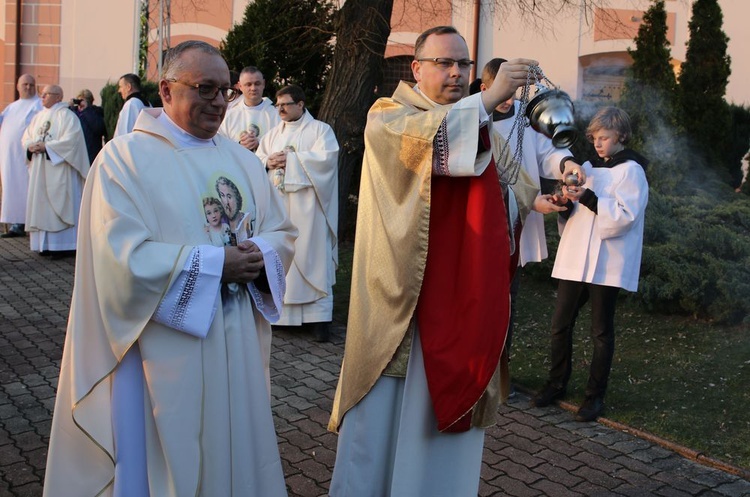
x,y
12,234
512,394
62,254
321,332
549,394
592,408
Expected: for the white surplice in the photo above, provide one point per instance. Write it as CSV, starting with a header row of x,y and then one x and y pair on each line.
x,y
14,174
242,117
128,115
162,368
55,178
310,194
605,248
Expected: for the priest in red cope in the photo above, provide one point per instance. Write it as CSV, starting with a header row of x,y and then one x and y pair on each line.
x,y
430,285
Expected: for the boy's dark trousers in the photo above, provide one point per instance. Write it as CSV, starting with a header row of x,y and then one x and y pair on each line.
x,y
571,296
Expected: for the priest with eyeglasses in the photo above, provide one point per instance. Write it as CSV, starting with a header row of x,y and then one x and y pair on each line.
x,y
162,388
428,315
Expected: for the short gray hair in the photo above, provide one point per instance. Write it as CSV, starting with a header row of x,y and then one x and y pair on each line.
x,y
173,63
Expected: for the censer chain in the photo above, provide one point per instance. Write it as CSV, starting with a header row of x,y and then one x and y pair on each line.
x,y
520,123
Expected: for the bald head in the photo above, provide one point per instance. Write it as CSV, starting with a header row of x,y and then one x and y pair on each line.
x,y
51,94
26,86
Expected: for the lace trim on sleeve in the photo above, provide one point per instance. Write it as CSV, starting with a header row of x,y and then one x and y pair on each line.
x,y
440,150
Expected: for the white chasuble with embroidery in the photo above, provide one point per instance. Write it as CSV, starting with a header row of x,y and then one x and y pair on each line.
x,y
148,205
56,176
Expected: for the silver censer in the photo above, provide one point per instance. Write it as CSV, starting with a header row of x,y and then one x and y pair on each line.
x,y
550,112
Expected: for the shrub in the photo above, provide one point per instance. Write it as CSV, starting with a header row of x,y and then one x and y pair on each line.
x,y
695,257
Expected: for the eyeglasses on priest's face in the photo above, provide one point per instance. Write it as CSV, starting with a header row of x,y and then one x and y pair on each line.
x,y
284,105
446,63
209,92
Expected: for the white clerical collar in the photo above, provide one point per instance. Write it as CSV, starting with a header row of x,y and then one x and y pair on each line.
x,y
416,89
58,105
468,101
254,107
183,138
298,122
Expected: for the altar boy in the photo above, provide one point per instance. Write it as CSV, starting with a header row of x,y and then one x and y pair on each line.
x,y
599,253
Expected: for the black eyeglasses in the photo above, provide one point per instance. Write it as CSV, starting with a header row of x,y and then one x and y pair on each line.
x,y
283,105
446,63
209,92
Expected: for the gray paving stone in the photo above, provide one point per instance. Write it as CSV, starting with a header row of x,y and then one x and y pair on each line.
x,y
637,465
519,472
491,454
559,459
29,441
649,454
507,485
592,445
708,476
307,393
302,486
597,477
558,474
549,487
521,457
737,487
590,489
667,491
637,481
16,425
594,461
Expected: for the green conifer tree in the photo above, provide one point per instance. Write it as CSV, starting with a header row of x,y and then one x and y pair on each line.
x,y
288,40
649,89
703,81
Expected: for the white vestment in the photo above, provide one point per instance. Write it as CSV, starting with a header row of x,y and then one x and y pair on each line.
x,y
162,369
396,420
310,192
14,174
128,115
539,158
240,118
55,178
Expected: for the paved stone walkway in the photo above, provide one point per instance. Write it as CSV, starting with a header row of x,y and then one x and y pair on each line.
x,y
531,452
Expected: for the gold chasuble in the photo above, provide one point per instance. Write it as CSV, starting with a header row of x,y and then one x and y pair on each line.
x,y
459,294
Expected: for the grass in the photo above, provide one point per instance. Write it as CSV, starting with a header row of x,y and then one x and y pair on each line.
x,y
343,284
684,380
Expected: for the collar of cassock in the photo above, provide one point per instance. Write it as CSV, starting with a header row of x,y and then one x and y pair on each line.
x,y
623,155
